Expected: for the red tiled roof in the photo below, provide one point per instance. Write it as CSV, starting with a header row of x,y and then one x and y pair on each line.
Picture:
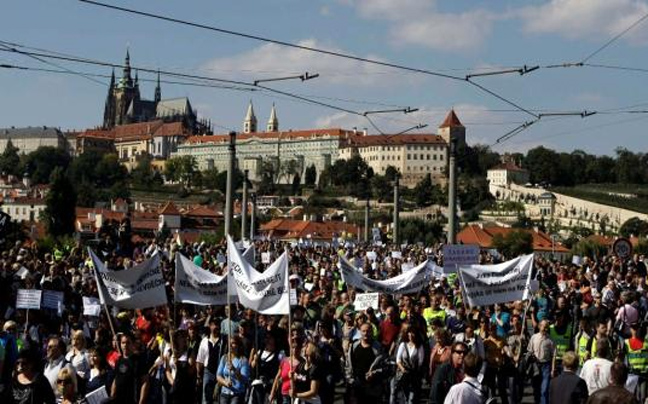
x,y
202,211
106,213
293,229
298,134
451,121
137,131
390,140
475,234
169,209
144,224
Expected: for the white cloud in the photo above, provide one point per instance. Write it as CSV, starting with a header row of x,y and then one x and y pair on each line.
x,y
271,60
576,19
325,11
418,22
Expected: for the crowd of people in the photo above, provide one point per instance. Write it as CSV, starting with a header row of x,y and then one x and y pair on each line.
x,y
581,338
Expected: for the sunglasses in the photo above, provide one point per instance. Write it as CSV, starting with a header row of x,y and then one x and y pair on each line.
x,y
461,352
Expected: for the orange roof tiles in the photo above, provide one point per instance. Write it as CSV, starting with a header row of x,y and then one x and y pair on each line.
x,y
203,211
169,209
451,121
483,236
138,131
391,140
294,229
289,135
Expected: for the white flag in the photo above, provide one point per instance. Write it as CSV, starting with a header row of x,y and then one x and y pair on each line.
x,y
195,285
410,282
139,287
266,293
501,283
248,254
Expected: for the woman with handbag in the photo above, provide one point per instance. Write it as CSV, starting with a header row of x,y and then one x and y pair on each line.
x,y
409,365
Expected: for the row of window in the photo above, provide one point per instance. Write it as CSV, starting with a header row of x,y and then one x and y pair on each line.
x,y
398,148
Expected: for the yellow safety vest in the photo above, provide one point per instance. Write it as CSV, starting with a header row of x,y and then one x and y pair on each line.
x,y
582,342
637,359
561,340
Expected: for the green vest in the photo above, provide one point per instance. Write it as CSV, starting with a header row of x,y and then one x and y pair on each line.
x,y
637,359
582,342
561,341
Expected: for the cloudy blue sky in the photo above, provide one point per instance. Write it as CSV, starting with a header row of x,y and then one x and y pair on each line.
x,y
454,37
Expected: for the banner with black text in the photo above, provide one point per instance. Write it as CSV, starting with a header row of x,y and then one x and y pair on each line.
x,y
195,285
411,281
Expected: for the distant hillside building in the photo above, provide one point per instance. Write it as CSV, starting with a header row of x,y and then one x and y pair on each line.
x,y
31,138
318,147
124,105
507,173
413,155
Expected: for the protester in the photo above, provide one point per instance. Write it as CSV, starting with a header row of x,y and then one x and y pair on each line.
x,y
448,374
409,362
233,374
28,385
596,371
67,386
568,388
615,392
542,348
211,349
470,390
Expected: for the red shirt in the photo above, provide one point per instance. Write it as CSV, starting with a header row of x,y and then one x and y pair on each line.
x,y
146,329
388,332
112,358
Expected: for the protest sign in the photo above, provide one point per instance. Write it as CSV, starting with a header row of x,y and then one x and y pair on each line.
x,y
195,285
410,282
371,255
22,273
577,260
293,297
91,306
139,287
52,299
501,283
406,267
396,255
456,255
28,299
267,292
265,258
98,396
365,300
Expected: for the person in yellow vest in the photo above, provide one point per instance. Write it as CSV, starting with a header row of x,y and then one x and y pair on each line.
x,y
432,313
581,341
561,334
601,334
636,354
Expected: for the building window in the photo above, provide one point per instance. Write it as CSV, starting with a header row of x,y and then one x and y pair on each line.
x,y
409,156
434,156
422,157
415,156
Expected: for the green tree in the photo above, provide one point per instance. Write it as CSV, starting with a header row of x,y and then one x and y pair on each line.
x,y
10,160
143,174
40,163
419,230
210,178
310,176
589,248
182,169
628,168
295,184
59,214
382,188
515,243
423,192
481,159
634,227
541,163
109,171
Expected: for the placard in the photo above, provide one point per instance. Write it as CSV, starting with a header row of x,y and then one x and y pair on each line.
x,y
52,299
91,306
28,299
293,297
22,273
371,255
456,255
265,257
396,255
577,260
365,300
406,267
98,396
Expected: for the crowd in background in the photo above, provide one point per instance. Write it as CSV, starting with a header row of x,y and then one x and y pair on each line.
x,y
580,338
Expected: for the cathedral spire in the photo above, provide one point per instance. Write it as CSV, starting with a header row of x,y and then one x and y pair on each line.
x,y
158,91
250,123
273,122
126,75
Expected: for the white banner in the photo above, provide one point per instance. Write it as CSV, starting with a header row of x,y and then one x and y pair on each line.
x,y
139,287
459,255
265,257
266,293
28,299
195,285
365,300
91,306
501,283
409,282
249,255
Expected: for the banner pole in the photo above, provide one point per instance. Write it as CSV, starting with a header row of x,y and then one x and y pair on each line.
x,y
26,324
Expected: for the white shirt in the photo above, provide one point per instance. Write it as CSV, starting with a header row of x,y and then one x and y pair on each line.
x,y
469,391
52,369
416,355
203,351
596,373
80,362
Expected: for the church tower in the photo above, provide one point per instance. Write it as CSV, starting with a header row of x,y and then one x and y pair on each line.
x,y
273,122
452,128
109,108
125,93
250,122
158,91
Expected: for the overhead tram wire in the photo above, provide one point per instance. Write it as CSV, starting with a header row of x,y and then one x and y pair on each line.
x,y
615,38
76,59
305,48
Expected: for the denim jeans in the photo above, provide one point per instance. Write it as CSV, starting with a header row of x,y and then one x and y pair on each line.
x,y
234,399
209,385
541,384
